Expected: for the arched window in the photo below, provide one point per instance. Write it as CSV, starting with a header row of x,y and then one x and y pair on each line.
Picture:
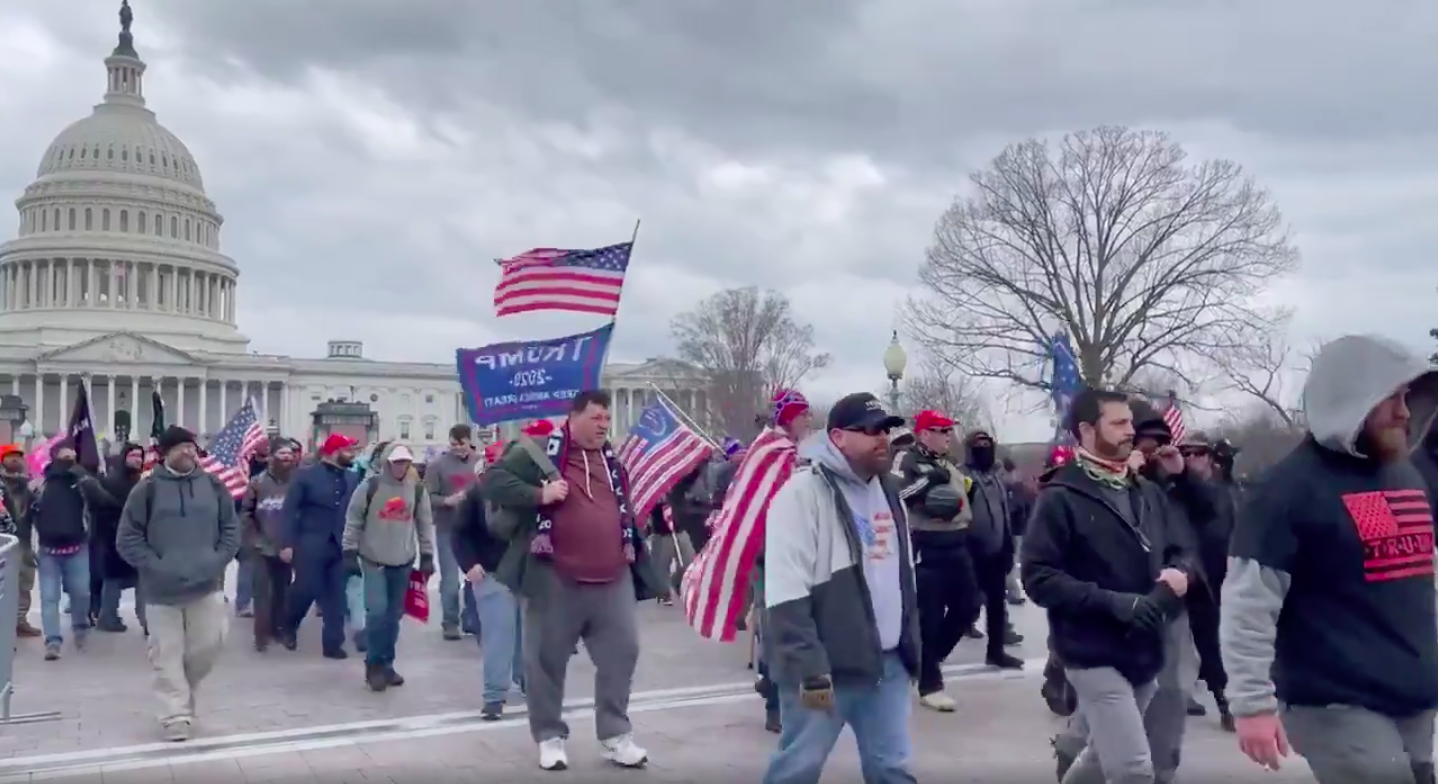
x,y
141,227
174,227
124,220
89,219
110,153
44,220
125,154
72,219
55,224
105,219
187,230
83,151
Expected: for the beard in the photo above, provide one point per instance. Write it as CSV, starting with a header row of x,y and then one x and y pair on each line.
x,y
1112,450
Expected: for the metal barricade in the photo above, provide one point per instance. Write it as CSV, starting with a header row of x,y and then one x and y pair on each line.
x,y
12,560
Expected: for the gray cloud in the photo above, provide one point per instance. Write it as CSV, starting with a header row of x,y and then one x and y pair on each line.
x,y
372,156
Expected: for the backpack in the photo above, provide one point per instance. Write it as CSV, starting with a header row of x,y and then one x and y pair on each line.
x,y
371,486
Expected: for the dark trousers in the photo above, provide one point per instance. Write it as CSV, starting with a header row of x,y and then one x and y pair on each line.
x,y
948,598
991,572
319,579
272,578
1203,622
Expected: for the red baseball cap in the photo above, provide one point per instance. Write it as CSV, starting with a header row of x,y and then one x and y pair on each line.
x,y
539,428
931,420
336,442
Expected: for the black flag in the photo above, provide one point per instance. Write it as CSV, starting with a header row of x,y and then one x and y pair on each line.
x,y
157,416
82,432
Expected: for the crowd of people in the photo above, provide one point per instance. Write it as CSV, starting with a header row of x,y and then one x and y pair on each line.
x,y
1304,603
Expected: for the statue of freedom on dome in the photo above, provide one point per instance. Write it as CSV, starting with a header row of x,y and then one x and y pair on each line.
x,y
127,17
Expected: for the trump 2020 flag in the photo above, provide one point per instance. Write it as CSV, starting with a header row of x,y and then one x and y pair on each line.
x,y
659,452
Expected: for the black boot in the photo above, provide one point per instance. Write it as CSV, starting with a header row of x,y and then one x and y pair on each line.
x,y
376,677
1225,718
1195,708
1423,772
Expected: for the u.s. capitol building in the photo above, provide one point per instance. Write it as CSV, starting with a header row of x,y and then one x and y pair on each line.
x,y
117,278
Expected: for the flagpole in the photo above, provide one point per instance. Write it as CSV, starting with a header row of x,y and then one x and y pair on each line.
x,y
634,237
683,417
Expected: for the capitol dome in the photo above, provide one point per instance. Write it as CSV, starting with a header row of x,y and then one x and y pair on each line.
x,y
116,232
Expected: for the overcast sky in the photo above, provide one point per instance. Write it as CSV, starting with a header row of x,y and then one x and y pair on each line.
x,y
372,156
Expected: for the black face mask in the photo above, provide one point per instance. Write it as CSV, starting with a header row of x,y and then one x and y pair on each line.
x,y
982,456
65,463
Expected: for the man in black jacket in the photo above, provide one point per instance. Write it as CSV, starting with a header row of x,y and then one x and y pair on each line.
x,y
935,493
1327,622
478,554
1099,557
106,498
57,516
991,543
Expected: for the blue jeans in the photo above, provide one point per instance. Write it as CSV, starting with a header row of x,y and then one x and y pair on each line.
x,y
878,714
70,575
449,587
110,591
499,617
244,584
354,603
384,589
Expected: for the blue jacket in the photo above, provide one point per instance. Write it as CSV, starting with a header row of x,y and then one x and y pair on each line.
x,y
314,513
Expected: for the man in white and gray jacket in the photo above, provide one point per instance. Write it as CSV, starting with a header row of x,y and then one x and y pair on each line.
x,y
842,619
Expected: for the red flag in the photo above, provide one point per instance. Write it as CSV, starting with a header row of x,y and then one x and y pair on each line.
x,y
715,584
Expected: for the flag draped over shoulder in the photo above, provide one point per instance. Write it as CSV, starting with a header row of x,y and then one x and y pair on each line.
x,y
715,584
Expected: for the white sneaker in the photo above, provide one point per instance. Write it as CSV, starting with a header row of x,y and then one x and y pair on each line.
x,y
938,701
623,751
552,755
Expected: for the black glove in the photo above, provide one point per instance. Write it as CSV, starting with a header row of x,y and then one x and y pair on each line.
x,y
1141,613
426,564
938,475
1169,602
351,561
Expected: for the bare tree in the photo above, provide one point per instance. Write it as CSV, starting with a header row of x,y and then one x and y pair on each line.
x,y
749,343
1265,371
1142,258
936,385
1262,437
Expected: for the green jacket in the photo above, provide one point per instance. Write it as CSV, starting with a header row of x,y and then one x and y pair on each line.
x,y
510,487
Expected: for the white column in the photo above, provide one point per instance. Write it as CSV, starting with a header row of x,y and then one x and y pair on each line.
x,y
135,408
110,407
39,404
204,405
280,408
132,284
94,283
224,401
157,383
64,393
15,384
114,273
179,416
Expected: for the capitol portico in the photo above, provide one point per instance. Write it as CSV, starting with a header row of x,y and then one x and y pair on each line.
x,y
117,280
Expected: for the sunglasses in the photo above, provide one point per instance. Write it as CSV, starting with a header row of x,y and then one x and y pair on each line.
x,y
945,430
869,430
1194,452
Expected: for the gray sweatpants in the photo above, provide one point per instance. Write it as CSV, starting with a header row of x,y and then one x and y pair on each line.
x,y
1345,744
603,616
1164,717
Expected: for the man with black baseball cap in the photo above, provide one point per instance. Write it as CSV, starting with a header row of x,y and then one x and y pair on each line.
x,y
841,606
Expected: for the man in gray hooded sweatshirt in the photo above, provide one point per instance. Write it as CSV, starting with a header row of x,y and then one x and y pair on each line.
x,y
1327,623
842,623
180,531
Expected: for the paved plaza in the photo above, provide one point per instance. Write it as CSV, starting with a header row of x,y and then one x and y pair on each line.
x,y
296,717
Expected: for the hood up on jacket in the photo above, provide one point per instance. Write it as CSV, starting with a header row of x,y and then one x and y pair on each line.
x,y
821,450
383,467
1351,376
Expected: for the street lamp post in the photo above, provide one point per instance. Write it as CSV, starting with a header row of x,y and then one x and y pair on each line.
x,y
894,362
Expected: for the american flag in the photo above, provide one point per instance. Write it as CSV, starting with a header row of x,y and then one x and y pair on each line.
x,y
1173,417
659,452
229,451
578,281
715,584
